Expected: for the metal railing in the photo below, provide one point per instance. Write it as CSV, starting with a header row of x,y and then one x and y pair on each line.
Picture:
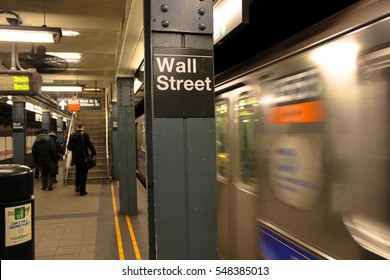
x,y
68,154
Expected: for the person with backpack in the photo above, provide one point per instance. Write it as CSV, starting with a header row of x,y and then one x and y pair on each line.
x,y
44,153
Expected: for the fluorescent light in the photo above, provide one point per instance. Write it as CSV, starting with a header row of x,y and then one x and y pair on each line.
x,y
70,88
70,33
34,34
68,56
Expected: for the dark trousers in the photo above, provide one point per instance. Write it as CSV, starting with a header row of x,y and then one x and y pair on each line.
x,y
47,179
81,177
36,172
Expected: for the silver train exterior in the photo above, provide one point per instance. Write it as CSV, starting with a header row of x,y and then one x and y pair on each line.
x,y
303,144
141,149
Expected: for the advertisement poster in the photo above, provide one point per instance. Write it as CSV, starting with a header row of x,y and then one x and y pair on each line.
x,y
18,224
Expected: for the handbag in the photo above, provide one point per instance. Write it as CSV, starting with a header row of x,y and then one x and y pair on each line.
x,y
90,161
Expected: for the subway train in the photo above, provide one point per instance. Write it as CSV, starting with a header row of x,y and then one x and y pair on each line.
x,y
302,144
141,149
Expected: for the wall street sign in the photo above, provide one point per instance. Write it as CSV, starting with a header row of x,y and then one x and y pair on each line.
x,y
183,83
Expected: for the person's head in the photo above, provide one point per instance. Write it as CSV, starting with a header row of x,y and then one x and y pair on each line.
x,y
80,126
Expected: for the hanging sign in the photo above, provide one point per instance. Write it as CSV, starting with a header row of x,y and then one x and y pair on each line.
x,y
183,83
74,104
90,103
17,82
78,104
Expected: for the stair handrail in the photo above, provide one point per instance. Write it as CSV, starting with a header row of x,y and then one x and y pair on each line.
x,y
107,135
67,153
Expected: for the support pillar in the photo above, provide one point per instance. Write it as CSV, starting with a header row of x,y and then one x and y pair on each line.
x,y
127,147
60,129
19,132
114,146
46,120
180,129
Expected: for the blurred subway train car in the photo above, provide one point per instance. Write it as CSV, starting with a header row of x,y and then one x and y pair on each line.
x,y
302,144
303,153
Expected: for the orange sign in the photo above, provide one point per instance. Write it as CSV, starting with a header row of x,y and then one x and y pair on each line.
x,y
74,104
313,111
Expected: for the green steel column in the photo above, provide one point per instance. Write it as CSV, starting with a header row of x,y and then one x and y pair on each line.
x,y
114,144
19,132
180,124
46,120
126,146
60,129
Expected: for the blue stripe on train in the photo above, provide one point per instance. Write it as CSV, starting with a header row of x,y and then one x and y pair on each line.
x,y
274,247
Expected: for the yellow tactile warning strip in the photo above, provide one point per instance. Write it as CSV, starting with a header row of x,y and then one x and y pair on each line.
x,y
133,239
118,232
117,228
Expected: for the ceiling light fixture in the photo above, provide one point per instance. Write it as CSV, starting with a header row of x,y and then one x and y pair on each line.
x,y
30,34
34,34
70,33
62,88
68,56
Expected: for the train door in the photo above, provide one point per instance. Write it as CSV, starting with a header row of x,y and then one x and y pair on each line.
x,y
291,209
223,170
368,200
245,179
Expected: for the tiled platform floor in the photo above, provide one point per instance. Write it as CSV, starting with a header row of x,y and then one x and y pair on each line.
x,y
73,227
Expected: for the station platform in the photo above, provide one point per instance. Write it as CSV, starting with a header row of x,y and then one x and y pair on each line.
x,y
73,227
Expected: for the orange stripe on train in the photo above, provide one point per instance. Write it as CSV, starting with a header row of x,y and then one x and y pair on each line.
x,y
313,111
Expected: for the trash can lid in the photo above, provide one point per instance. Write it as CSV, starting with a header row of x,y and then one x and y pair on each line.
x,y
13,169
16,182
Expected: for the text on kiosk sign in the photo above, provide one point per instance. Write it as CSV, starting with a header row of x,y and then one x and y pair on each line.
x,y
183,82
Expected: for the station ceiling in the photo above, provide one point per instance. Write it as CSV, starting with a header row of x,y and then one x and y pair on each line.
x,y
109,41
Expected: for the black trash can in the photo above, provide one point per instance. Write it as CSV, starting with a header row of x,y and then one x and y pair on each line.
x,y
16,212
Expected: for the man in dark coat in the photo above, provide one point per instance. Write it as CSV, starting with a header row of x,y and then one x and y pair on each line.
x,y
81,147
44,153
36,171
59,154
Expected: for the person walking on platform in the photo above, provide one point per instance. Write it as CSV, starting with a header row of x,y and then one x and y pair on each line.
x,y
81,146
59,154
44,153
36,170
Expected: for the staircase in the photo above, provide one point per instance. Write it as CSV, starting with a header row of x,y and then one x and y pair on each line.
x,y
95,125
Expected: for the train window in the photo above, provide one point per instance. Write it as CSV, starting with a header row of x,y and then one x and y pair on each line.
x,y
221,119
143,137
247,111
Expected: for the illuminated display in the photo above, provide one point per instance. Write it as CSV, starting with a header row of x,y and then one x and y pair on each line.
x,y
20,82
12,83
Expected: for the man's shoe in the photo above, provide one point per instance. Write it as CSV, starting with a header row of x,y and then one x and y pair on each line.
x,y
50,188
81,194
44,188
